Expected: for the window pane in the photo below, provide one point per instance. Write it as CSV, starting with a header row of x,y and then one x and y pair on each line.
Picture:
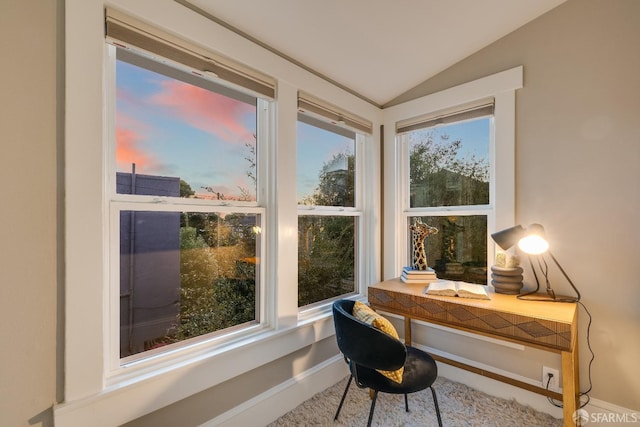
x,y
449,165
174,125
326,165
459,250
326,257
185,274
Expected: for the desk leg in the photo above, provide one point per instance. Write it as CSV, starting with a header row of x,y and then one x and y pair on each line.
x,y
570,384
407,330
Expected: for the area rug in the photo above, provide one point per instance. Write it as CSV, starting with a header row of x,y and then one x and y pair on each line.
x,y
460,405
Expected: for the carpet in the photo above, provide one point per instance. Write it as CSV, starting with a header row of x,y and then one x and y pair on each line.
x,y
460,405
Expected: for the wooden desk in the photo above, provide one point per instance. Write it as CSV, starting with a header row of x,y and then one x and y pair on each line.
x,y
548,326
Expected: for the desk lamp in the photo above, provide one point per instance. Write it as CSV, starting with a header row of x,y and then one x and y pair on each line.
x,y
532,242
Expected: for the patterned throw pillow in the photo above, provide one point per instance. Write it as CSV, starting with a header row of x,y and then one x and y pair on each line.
x,y
367,315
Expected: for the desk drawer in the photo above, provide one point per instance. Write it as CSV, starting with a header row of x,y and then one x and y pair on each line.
x,y
538,332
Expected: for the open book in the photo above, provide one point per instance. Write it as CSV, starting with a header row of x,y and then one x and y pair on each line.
x,y
450,288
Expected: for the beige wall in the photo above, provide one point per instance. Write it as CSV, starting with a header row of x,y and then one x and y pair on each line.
x,y
577,173
29,269
577,151
578,147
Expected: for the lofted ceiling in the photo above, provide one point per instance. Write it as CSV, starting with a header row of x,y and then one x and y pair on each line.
x,y
377,49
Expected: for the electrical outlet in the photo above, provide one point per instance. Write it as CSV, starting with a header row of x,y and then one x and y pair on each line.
x,y
554,383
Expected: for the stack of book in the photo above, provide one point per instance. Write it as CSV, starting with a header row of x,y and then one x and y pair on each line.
x,y
411,275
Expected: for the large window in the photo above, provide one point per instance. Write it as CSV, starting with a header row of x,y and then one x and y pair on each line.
x,y
451,165
448,188
328,214
181,211
185,211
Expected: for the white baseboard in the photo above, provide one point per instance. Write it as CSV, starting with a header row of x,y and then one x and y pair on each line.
x,y
279,400
272,404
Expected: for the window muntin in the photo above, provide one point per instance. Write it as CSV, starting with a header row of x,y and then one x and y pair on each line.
x,y
328,221
448,187
186,269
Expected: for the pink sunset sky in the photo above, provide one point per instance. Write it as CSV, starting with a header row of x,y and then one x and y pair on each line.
x,y
171,128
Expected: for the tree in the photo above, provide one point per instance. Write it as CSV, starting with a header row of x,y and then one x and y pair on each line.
x,y
326,258
185,189
251,158
336,186
440,176
247,194
217,266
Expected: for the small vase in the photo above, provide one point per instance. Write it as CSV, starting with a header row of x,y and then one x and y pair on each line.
x,y
507,280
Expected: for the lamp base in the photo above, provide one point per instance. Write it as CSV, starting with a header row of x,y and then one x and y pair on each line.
x,y
549,297
506,280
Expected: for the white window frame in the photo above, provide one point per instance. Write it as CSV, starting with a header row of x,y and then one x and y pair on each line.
x,y
357,212
501,210
117,368
408,212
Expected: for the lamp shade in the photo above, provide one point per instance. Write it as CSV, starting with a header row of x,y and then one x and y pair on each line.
x,y
533,242
508,237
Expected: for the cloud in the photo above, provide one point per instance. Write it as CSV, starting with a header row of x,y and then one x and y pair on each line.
x,y
130,133
205,110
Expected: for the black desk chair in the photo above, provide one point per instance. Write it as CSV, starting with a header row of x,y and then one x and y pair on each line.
x,y
367,349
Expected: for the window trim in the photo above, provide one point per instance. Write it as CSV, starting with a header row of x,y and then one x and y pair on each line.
x,y
356,212
408,212
501,87
117,368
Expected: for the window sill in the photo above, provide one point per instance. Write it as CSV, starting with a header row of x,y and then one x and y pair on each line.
x,y
321,311
129,396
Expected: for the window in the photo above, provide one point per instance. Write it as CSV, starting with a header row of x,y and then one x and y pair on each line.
x,y
329,209
186,213
148,212
452,166
326,236
448,188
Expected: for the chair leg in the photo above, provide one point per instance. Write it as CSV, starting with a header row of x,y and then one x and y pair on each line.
x,y
373,405
435,402
343,396
406,403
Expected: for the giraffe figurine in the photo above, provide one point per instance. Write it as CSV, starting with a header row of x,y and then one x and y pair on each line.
x,y
420,232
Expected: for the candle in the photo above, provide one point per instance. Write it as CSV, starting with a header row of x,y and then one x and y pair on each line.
x,y
512,261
